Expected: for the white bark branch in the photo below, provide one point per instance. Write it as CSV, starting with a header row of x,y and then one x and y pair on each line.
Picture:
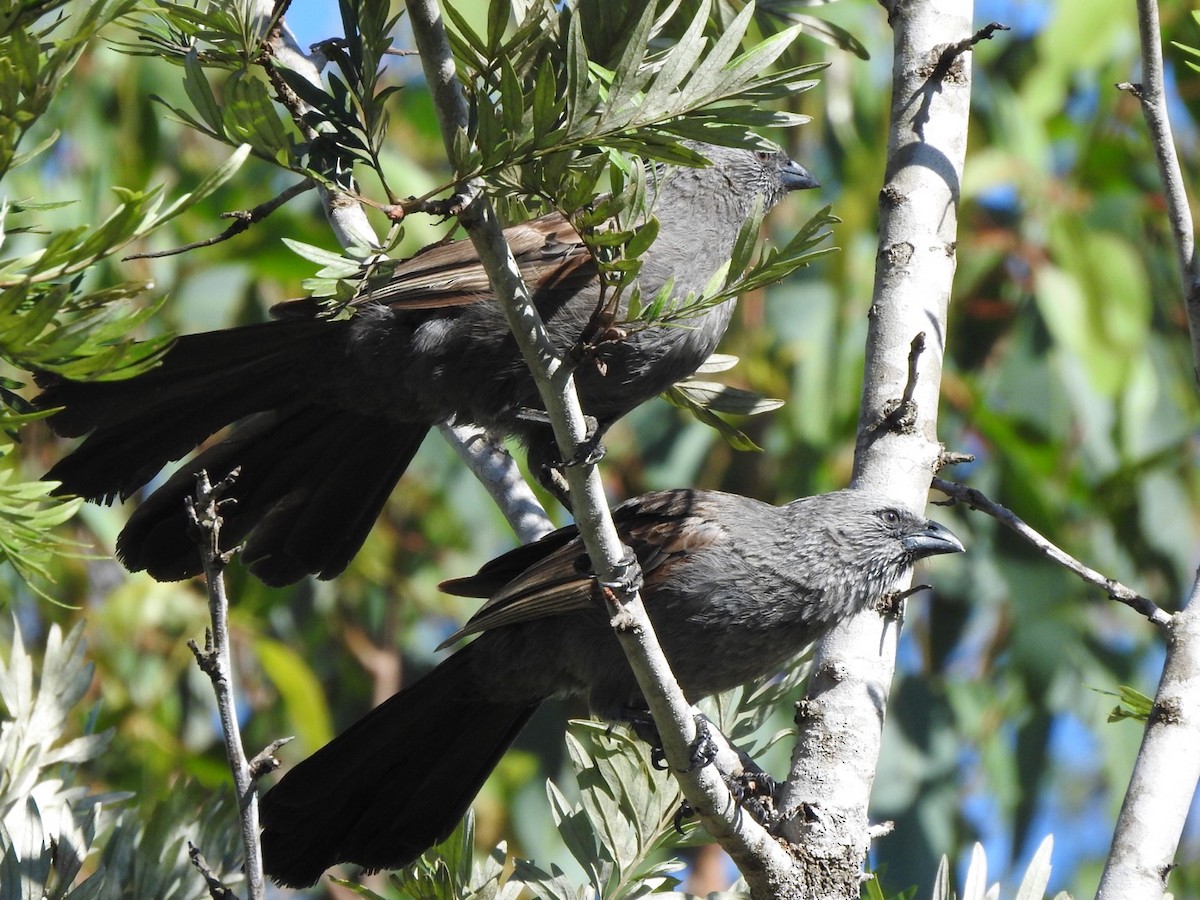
x,y
1165,773
840,725
498,473
1152,95
1167,768
763,861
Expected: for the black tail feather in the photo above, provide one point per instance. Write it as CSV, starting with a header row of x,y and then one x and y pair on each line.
x,y
395,783
205,381
312,483
313,479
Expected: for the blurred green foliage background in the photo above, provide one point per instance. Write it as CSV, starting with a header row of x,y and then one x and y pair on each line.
x,y
1068,376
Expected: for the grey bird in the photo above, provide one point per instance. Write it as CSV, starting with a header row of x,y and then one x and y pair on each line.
x,y
329,414
735,589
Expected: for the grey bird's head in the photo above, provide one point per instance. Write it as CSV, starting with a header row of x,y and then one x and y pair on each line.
x,y
743,174
768,173
877,531
702,209
863,542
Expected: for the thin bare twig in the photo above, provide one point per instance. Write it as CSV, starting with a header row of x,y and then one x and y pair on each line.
x,y
983,34
242,220
217,889
903,414
944,69
899,414
264,761
205,515
976,499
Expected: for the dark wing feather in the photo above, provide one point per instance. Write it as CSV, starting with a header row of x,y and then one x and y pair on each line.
x,y
661,528
549,252
498,572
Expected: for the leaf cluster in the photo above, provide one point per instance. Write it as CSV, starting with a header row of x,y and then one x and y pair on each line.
x,y
39,46
975,886
221,38
540,93
351,118
553,107
345,119
1131,704
623,825
51,318
50,823
706,399
623,832
1188,49
49,322
557,113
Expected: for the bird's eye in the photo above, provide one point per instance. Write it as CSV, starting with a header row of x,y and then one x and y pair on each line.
x,y
891,517
763,155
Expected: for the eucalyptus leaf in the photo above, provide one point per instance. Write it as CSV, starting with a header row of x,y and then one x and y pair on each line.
x,y
725,399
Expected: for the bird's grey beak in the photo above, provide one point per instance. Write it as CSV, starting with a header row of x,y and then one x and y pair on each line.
x,y
794,177
932,540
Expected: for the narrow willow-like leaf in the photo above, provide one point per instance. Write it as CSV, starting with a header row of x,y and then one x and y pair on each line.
x,y
1037,875
707,76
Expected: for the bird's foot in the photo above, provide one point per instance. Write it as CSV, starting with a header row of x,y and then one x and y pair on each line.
x,y
551,478
754,791
591,449
627,577
682,814
550,470
702,751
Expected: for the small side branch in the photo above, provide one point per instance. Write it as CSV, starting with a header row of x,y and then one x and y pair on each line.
x,y
495,469
242,220
204,511
944,69
443,209
899,415
955,50
976,499
217,889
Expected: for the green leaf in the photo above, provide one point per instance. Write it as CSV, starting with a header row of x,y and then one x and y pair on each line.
x,y
736,439
208,185
722,398
747,239
322,257
299,689
975,885
1133,704
706,77
629,77
195,83
497,21
680,60
941,881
